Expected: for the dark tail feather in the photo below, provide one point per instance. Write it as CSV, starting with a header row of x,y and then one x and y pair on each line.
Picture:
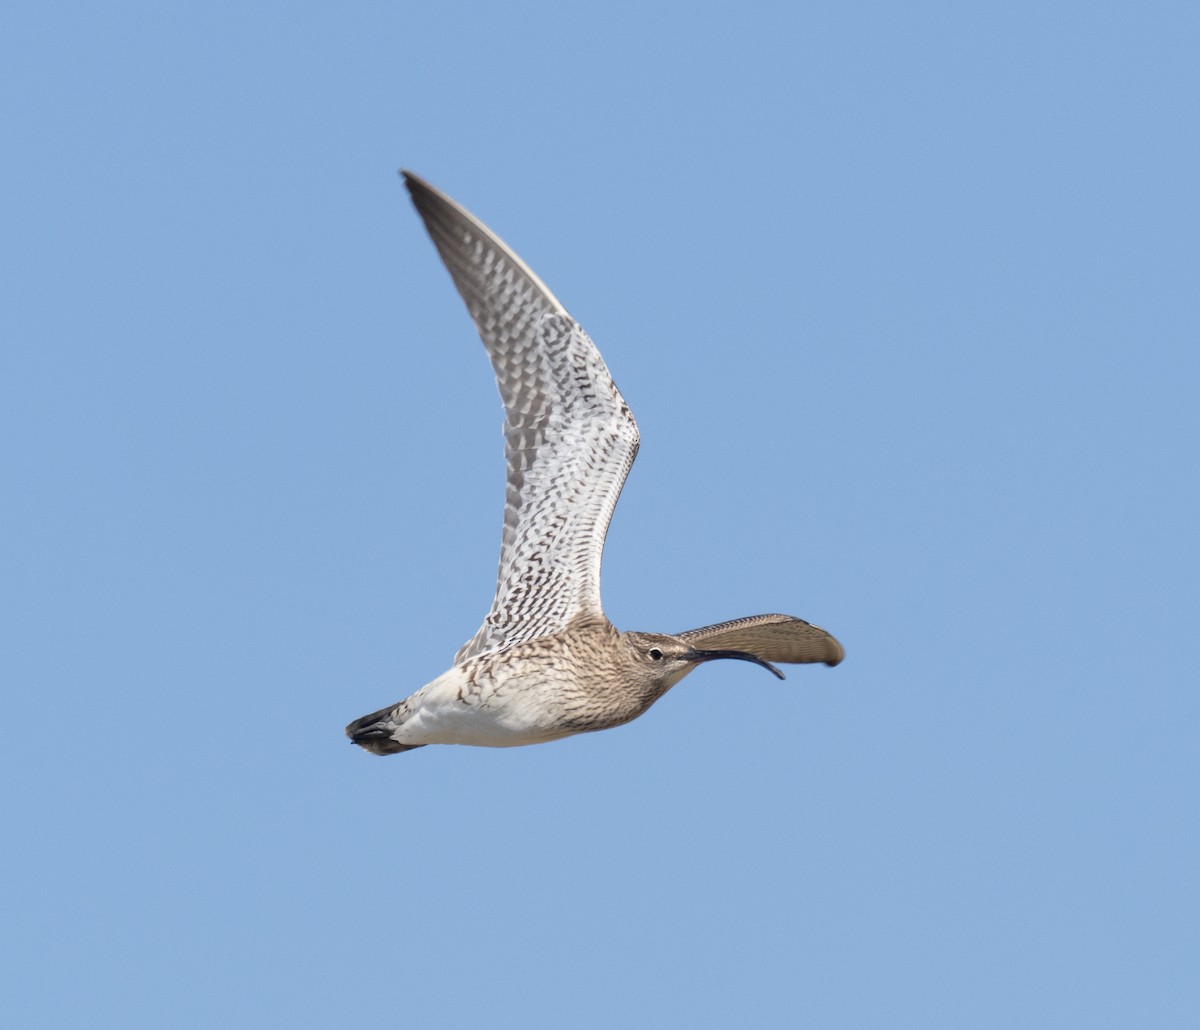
x,y
374,733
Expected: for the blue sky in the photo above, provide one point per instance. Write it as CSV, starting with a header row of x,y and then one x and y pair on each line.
x,y
904,297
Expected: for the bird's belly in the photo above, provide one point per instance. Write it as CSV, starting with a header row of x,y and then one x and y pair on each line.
x,y
451,710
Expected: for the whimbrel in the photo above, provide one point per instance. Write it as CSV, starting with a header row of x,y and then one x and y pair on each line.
x,y
546,663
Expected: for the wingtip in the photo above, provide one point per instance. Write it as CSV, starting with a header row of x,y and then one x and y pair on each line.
x,y
414,182
839,654
432,202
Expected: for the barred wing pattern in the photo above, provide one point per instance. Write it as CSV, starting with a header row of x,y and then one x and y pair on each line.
x,y
774,638
570,439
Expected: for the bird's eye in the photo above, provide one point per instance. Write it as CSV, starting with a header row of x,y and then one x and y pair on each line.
x,y
655,654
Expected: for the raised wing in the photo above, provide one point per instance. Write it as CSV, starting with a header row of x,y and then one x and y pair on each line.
x,y
774,638
570,439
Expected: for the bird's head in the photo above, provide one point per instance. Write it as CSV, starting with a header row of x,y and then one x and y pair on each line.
x,y
665,660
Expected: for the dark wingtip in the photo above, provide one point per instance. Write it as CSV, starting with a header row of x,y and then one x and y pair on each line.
x,y
418,188
837,658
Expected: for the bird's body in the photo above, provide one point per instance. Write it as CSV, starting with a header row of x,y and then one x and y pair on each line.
x,y
546,663
532,692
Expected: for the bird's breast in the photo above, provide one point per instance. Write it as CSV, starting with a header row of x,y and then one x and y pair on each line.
x,y
509,699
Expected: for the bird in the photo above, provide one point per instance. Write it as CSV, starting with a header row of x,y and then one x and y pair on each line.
x,y
546,663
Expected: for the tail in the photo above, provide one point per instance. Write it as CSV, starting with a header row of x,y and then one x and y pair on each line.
x,y
374,733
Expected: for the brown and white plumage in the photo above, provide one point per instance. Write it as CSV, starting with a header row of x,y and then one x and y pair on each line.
x,y
569,437
546,663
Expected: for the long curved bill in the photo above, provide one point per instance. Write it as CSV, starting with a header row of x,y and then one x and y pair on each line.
x,y
707,656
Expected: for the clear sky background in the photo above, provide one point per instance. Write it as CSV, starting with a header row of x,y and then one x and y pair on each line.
x,y
904,296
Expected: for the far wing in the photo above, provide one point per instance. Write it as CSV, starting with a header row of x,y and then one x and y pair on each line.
x,y
570,439
774,638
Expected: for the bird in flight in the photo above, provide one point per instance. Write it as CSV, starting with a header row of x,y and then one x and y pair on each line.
x,y
546,663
